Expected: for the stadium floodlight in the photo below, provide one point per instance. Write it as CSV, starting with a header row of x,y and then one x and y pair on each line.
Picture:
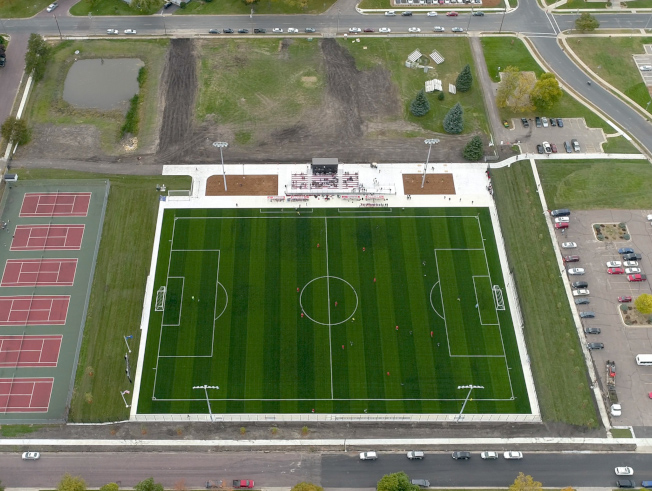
x,y
222,145
430,142
470,387
208,402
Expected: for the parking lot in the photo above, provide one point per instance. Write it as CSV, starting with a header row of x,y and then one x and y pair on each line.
x,y
591,139
621,343
645,59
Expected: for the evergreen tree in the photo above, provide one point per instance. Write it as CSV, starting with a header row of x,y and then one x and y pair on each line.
x,y
420,105
454,120
473,149
464,79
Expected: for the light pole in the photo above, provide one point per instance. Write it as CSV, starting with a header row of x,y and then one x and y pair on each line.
x,y
648,104
206,387
222,145
122,393
470,387
430,142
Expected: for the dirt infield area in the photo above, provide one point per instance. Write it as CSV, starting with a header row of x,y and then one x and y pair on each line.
x,y
435,184
242,186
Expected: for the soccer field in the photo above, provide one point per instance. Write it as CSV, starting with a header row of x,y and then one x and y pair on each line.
x,y
340,311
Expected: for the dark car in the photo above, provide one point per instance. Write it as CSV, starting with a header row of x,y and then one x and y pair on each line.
x,y
592,346
367,29
461,455
625,483
259,30
310,29
539,148
422,483
243,31
625,250
167,5
553,121
406,14
214,31
525,122
568,147
560,122
553,147
579,284
582,301
632,257
571,259
587,314
592,330
228,31
537,120
478,14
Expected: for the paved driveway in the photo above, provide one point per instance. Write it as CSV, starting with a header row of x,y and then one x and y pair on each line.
x,y
590,139
622,343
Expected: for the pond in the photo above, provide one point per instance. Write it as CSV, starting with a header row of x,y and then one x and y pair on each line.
x,y
101,83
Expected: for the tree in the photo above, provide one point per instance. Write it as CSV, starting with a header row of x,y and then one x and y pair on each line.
x,y
110,487
454,120
307,486
148,485
473,149
71,483
525,483
15,130
396,482
546,91
420,105
514,91
36,58
2,488
643,303
586,22
464,79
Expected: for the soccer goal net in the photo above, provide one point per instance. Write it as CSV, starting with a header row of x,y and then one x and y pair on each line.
x,y
160,300
498,296
179,194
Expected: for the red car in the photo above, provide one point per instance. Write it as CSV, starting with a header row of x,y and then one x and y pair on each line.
x,y
452,14
625,299
561,225
616,271
636,277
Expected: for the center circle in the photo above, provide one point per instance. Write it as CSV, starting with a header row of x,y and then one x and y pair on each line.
x,y
315,296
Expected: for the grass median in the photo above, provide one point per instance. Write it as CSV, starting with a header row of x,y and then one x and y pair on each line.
x,y
108,7
238,7
22,8
118,290
559,367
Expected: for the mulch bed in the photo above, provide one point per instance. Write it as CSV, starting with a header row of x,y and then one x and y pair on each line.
x,y
435,184
242,186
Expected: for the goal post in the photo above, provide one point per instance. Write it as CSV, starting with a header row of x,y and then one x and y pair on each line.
x,y
498,297
179,194
160,300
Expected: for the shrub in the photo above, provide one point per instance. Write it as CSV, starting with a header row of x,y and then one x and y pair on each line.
x,y
15,130
454,120
440,96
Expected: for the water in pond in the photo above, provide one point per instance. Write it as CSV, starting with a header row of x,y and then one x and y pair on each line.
x,y
102,83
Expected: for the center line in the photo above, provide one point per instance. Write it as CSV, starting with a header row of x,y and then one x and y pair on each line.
x,y
328,292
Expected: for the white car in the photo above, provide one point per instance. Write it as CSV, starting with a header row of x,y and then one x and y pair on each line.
x,y
438,29
561,219
513,455
390,13
649,217
632,270
385,29
616,410
624,471
112,31
414,29
292,30
457,29
31,455
130,31
432,14
630,264
277,30
416,455
489,455
614,264
581,293
544,120
368,456
576,271
52,6
645,68
548,149
569,245
355,29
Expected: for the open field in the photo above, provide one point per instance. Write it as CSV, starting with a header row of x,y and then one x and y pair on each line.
x,y
22,8
68,132
611,58
336,311
118,289
506,51
619,144
583,185
231,7
553,346
108,7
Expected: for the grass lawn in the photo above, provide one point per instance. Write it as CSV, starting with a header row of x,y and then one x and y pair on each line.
x,y
580,185
582,4
47,105
619,144
225,7
507,51
289,313
611,59
621,433
22,8
108,7
392,53
118,289
638,4
553,345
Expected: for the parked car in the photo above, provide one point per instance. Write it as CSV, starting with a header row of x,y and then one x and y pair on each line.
x,y
582,301
422,483
310,29
354,29
525,122
461,455
414,29
561,219
616,271
384,29
593,346
539,148
390,13
560,122
561,225
625,250
112,31
630,264
546,147
581,293
51,7
242,484
544,121
243,31
625,299
438,29
617,410
277,30
568,245
645,68
478,13
571,259
592,330
505,123
553,122
452,14
613,264
624,471
576,271
259,30
368,456
167,5
576,145
130,31
634,278
625,483
632,270
31,456
579,284
568,147
416,455
632,257
489,455
554,147
292,30
432,14
513,455
457,29
537,121
407,13
587,314
368,29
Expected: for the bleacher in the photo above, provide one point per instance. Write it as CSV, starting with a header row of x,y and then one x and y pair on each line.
x,y
325,182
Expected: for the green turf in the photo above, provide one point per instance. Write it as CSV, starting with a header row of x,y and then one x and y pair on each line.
x,y
560,376
266,358
618,144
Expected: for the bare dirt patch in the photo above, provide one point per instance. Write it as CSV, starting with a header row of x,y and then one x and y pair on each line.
x,y
435,184
63,142
242,186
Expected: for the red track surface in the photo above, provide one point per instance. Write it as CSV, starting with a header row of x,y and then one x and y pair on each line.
x,y
55,205
39,272
27,310
25,395
47,237
30,351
